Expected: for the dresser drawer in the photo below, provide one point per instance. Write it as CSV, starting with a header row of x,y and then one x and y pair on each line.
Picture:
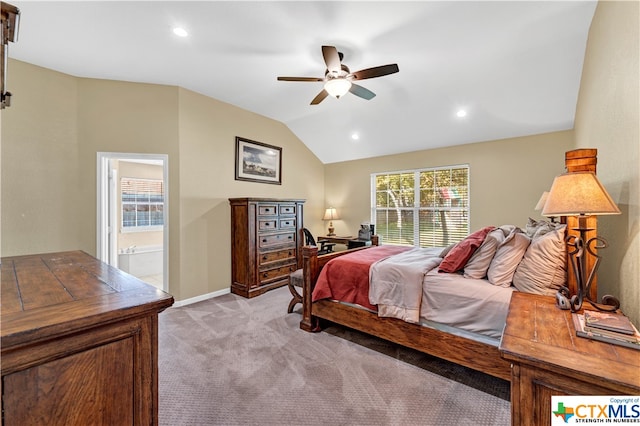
x,y
287,223
276,273
267,224
287,209
275,256
268,209
276,239
273,224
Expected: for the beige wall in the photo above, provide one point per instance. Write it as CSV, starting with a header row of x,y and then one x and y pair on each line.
x,y
123,117
607,118
41,180
507,178
207,180
58,123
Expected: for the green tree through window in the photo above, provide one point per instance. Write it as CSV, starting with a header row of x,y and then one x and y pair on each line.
x,y
422,208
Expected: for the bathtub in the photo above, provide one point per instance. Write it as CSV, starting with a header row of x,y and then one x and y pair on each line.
x,y
141,261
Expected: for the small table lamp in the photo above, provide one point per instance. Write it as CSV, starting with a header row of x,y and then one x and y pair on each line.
x,y
330,214
582,195
541,202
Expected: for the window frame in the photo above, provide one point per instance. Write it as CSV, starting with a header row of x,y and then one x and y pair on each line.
x,y
141,228
417,208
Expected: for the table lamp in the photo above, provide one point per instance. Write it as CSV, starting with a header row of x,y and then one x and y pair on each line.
x,y
541,202
581,194
330,214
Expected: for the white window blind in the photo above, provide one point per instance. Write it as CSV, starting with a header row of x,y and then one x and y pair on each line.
x,y
422,208
142,203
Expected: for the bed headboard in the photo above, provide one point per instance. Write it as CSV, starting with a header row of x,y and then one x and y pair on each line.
x,y
581,160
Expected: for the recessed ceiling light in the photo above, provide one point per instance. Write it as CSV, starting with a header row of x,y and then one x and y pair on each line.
x,y
461,113
355,136
180,32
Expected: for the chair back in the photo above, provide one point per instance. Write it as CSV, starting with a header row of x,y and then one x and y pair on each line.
x,y
309,240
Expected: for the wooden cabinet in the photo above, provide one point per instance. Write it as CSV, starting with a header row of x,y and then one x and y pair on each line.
x,y
549,359
79,342
265,243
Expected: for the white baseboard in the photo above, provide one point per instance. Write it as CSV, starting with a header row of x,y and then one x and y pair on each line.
x,y
201,297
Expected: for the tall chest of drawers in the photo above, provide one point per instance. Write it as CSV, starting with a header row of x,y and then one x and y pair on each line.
x,y
265,243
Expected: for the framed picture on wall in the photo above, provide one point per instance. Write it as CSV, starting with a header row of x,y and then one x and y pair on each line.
x,y
258,162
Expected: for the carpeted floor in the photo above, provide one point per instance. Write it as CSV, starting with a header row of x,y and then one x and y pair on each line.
x,y
237,361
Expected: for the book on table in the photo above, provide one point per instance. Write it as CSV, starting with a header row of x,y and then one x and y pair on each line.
x,y
611,334
609,321
630,341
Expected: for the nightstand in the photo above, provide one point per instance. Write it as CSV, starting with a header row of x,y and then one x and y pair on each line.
x,y
549,359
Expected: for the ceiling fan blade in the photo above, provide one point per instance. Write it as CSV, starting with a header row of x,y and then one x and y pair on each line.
x,y
319,97
300,79
376,72
331,58
361,91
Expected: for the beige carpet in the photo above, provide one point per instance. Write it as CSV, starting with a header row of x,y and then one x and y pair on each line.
x,y
237,361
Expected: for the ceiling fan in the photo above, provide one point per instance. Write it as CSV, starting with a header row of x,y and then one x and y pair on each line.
x,y
338,80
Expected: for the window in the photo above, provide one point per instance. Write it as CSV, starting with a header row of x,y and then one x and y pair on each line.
x,y
422,208
142,204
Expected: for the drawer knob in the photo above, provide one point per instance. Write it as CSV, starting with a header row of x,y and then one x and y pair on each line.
x,y
290,253
290,237
264,240
265,275
264,257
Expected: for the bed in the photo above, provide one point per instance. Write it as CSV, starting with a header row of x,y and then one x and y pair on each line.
x,y
452,303
452,334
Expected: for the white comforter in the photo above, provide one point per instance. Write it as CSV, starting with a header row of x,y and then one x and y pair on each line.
x,y
395,283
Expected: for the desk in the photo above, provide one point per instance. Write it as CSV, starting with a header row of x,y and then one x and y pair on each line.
x,y
349,241
79,342
335,239
549,359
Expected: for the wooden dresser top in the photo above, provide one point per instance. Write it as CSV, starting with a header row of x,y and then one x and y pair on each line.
x,y
45,296
540,334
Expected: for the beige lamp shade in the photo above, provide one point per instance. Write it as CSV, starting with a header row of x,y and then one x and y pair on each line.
x,y
542,201
579,193
330,214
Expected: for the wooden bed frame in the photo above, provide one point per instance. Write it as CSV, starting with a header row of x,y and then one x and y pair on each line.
x,y
460,350
470,353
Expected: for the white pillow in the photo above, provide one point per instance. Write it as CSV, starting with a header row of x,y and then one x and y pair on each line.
x,y
536,228
478,264
543,269
507,257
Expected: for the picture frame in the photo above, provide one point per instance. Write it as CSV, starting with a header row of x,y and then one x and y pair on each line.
x,y
258,162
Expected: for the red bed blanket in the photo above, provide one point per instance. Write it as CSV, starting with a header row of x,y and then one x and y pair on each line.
x,y
346,278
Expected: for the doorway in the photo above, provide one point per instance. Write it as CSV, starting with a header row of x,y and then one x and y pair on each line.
x,y
132,214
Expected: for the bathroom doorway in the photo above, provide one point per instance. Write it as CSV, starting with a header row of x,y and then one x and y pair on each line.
x,y
132,214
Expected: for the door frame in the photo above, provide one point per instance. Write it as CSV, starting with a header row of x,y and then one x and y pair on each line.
x,y
104,244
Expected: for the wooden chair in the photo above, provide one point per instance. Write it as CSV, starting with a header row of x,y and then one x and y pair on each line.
x,y
325,246
296,278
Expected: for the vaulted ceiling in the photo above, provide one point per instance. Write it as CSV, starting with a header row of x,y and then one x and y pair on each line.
x,y
514,67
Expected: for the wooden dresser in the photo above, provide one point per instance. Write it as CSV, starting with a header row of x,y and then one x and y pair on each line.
x,y
549,359
79,342
265,243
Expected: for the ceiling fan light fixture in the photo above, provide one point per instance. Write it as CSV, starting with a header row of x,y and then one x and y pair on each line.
x,y
337,87
180,32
